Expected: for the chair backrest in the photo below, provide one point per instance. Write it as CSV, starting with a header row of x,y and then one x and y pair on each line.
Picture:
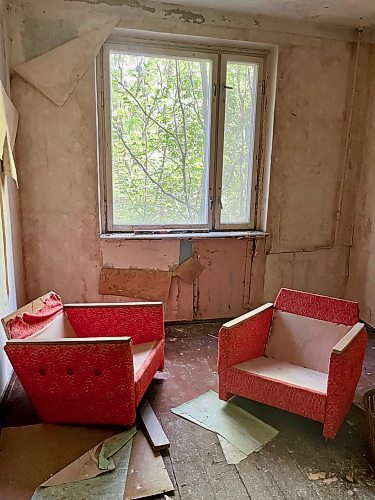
x,y
306,327
344,312
303,341
143,321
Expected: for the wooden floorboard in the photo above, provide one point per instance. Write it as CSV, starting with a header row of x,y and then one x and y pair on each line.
x,y
195,461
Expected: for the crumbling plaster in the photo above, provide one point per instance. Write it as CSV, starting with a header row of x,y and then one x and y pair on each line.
x,y
341,12
10,216
56,156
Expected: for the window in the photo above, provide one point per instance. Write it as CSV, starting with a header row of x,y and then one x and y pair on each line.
x,y
182,137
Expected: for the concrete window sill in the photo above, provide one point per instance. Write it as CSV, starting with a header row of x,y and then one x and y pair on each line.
x,y
185,235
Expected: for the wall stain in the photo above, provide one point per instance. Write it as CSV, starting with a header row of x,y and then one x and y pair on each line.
x,y
185,15
133,4
152,10
40,36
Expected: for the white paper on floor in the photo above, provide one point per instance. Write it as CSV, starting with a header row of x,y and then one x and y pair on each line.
x,y
237,426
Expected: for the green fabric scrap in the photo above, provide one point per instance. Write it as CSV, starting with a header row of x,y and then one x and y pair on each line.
x,y
109,486
111,446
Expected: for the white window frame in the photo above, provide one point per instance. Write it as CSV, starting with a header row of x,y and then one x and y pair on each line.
x,y
219,58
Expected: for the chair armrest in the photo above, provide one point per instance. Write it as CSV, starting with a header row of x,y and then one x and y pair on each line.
x,y
72,341
345,369
142,321
245,337
86,305
348,338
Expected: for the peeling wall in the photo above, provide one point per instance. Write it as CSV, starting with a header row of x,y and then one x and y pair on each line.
x,y
12,227
56,152
361,283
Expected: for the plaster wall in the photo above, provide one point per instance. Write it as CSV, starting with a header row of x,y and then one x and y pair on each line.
x,y
13,250
361,282
57,162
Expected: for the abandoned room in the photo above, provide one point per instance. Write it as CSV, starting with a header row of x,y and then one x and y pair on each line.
x,y
187,249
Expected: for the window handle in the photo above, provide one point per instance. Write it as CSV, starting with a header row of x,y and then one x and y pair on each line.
x,y
211,203
227,87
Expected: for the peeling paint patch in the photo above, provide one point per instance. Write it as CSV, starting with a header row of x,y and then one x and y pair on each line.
x,y
134,4
152,10
185,15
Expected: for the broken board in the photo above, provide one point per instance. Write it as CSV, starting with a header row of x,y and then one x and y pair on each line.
x,y
148,284
154,430
147,475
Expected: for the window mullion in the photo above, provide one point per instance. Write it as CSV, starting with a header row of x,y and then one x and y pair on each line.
x,y
219,140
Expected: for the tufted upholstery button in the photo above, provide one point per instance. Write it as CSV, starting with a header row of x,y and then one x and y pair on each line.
x,y
69,371
42,371
97,372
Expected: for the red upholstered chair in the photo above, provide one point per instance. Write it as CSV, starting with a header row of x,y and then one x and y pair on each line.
x,y
303,354
86,363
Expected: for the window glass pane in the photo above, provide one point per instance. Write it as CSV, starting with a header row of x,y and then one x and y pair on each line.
x,y
239,131
160,119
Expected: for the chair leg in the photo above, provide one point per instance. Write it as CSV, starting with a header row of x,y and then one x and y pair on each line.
x,y
161,367
330,429
224,395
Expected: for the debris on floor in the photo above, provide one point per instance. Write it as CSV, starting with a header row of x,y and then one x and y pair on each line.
x,y
42,461
94,462
240,429
147,475
231,453
109,486
154,431
314,476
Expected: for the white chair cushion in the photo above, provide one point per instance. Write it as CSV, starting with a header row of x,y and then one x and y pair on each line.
x,y
59,328
286,373
303,341
140,353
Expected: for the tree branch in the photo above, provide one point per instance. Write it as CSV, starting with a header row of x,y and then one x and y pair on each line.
x,y
154,181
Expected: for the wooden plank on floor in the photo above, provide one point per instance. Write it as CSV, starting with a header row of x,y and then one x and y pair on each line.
x,y
147,475
153,428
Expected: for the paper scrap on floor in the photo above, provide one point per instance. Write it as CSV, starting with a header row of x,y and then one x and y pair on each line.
x,y
237,426
85,476
94,462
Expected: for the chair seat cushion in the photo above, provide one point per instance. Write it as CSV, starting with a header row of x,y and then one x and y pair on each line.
x,y
140,354
147,359
286,373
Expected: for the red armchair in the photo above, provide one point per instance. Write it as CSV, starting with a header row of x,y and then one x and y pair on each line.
x,y
86,363
303,354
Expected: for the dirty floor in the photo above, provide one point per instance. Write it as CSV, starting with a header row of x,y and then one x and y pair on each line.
x,y
280,471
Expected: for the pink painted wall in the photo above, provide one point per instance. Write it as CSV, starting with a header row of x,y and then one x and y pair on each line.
x,y
361,283
57,159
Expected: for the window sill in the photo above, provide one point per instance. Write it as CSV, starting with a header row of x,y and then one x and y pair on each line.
x,y
185,235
